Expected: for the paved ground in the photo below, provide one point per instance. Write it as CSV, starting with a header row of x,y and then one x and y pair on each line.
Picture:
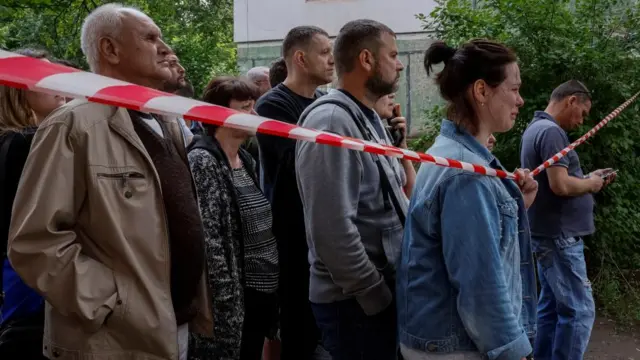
x,y
607,343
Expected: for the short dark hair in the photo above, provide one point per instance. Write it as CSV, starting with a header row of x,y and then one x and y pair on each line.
x,y
278,72
569,88
221,90
354,37
186,91
478,59
299,37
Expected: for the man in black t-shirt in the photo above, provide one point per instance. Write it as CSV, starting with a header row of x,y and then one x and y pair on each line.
x,y
308,55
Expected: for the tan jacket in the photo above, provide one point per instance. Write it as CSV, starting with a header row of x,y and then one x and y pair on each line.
x,y
89,233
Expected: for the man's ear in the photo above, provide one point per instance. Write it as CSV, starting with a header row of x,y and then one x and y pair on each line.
x,y
299,59
109,50
367,60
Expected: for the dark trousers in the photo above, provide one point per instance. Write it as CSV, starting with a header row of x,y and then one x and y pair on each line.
x,y
299,334
260,320
349,334
21,339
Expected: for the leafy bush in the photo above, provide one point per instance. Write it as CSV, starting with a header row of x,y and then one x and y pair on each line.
x,y
200,32
595,42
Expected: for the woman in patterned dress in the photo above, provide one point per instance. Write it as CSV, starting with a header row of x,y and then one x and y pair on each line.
x,y
241,249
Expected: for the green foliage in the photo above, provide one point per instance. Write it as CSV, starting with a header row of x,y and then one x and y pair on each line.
x,y
200,32
595,41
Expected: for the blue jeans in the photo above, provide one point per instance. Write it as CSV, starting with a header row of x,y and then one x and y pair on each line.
x,y
566,310
349,334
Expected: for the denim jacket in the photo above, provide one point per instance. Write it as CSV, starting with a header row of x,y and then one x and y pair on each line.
x,y
466,277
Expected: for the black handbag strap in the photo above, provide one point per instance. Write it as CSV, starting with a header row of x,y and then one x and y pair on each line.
x,y
4,152
387,190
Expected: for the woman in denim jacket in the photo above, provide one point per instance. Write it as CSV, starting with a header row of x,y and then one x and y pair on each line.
x,y
466,283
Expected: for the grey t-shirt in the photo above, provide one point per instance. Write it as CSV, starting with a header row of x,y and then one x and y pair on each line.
x,y
554,216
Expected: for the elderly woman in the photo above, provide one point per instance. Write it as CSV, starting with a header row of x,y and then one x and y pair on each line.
x,y
22,313
241,250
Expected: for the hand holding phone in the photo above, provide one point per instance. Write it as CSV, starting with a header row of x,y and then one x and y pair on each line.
x,y
397,134
609,173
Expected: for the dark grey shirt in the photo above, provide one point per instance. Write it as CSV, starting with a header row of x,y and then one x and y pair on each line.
x,y
554,216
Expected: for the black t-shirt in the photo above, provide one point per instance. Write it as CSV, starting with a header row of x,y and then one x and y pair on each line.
x,y
281,104
368,113
279,183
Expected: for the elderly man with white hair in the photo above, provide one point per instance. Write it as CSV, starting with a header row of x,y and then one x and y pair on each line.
x,y
106,224
260,76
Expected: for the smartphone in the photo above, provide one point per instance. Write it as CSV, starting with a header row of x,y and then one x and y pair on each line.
x,y
396,134
609,173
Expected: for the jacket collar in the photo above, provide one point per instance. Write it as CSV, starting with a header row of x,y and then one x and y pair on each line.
x,y
461,136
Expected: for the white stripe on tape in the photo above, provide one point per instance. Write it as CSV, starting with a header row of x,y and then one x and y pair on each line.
x,y
246,122
77,83
354,145
304,134
6,54
467,166
441,161
411,153
170,105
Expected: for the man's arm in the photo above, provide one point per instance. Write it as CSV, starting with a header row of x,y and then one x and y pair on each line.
x,y
329,184
43,246
471,250
550,142
564,185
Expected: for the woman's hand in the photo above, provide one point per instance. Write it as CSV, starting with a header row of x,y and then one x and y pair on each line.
x,y
528,186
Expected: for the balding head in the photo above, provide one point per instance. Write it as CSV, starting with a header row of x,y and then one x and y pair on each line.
x,y
259,75
124,43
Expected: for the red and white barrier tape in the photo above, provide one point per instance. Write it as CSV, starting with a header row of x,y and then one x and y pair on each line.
x,y
36,75
584,137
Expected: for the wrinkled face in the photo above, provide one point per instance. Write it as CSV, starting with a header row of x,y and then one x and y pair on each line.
x,y
43,104
503,102
177,80
384,106
318,58
385,77
141,53
263,82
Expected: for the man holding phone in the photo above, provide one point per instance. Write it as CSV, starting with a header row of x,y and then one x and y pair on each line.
x,y
560,216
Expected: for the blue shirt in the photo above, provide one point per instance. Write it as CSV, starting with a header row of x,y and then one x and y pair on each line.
x,y
20,300
553,216
466,279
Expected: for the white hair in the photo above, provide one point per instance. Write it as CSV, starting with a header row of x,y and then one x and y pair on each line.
x,y
257,72
105,20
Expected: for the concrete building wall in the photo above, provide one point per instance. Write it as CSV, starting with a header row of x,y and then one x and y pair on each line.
x,y
260,30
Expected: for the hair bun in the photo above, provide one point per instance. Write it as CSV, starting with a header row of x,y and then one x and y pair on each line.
x,y
438,52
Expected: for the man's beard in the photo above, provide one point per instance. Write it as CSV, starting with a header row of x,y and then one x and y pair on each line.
x,y
172,86
379,87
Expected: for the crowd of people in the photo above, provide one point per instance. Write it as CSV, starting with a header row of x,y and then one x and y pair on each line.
x,y
132,235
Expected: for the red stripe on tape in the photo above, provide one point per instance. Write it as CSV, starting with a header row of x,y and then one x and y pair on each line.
x,y
209,114
26,71
329,139
271,127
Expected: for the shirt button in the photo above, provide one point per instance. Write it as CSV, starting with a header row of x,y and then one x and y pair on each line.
x,y
128,194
